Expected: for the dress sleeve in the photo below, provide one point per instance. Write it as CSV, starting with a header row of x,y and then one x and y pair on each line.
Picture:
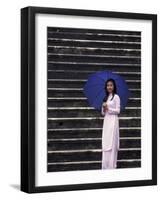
x,y
102,111
117,109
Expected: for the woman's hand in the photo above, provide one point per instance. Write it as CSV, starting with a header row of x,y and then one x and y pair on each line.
x,y
105,106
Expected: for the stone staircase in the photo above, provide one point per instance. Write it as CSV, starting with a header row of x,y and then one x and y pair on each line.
x,y
74,128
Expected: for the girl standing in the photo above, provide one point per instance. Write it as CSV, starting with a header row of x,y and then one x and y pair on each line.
x,y
110,133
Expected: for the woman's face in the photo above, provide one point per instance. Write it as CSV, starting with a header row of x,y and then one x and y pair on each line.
x,y
110,86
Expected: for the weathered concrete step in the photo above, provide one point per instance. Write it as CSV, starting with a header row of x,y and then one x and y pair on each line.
x,y
89,122
89,43
94,66
130,164
82,102
90,132
93,51
93,58
79,83
88,112
94,36
89,156
89,144
93,31
91,166
74,92
75,74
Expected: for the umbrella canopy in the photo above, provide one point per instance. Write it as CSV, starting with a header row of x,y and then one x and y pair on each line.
x,y
94,88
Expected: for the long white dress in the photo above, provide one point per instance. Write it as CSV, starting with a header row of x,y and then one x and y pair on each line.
x,y
110,133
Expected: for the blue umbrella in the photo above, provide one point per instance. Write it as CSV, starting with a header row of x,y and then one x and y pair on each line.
x,y
95,92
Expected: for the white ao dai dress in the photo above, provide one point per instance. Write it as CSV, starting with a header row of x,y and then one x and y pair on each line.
x,y
110,133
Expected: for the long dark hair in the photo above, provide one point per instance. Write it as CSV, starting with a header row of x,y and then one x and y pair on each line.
x,y
114,90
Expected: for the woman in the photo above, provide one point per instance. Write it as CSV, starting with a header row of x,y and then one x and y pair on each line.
x,y
110,134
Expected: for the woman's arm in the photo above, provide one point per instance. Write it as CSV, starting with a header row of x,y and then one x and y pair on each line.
x,y
103,110
117,109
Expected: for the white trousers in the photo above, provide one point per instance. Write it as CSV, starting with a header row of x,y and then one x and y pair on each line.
x,y
109,159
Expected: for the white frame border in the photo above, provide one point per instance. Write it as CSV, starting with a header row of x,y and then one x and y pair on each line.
x,y
42,178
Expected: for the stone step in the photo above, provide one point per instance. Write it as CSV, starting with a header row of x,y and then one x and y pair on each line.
x,y
67,133
94,66
95,36
91,165
93,31
82,102
79,83
88,112
92,143
93,58
93,51
96,43
78,92
75,74
89,155
94,122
